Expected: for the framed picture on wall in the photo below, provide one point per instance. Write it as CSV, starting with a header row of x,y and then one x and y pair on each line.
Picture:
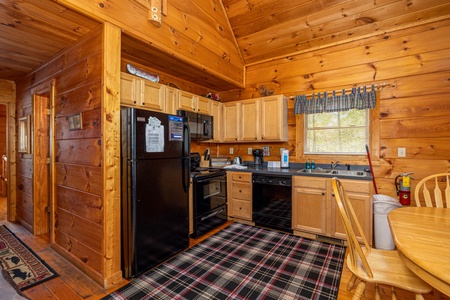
x,y
24,135
75,122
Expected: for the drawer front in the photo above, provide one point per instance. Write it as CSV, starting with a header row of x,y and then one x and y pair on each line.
x,y
241,191
310,182
357,186
242,209
242,176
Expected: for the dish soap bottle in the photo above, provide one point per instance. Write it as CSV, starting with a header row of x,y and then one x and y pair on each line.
x,y
313,165
285,159
308,164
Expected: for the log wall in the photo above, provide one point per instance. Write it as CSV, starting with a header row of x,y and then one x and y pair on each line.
x,y
77,228
412,66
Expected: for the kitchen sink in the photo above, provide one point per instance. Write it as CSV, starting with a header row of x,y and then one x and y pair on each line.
x,y
334,172
348,173
315,171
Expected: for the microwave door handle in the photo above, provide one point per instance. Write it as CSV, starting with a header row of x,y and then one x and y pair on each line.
x,y
205,128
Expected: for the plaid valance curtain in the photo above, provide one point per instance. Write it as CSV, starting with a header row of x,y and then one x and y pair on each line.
x,y
357,99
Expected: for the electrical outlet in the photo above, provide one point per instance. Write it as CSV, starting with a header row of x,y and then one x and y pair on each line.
x,y
231,151
401,152
249,151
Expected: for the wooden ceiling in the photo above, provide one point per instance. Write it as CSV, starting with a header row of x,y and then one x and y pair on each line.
x,y
32,31
267,29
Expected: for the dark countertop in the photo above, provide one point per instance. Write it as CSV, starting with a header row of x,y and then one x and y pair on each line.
x,y
294,169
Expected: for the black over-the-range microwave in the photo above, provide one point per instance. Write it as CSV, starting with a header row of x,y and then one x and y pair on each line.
x,y
201,126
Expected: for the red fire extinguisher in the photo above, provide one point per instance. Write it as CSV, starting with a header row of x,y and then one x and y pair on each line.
x,y
403,187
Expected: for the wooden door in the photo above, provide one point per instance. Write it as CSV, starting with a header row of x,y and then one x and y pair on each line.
x,y
41,163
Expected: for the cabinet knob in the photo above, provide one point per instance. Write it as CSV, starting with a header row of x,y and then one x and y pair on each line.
x,y
240,191
323,194
332,194
143,103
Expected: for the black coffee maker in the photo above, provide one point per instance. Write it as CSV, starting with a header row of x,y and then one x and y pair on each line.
x,y
258,159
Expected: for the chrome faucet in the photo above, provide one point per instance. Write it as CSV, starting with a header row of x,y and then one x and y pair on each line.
x,y
334,164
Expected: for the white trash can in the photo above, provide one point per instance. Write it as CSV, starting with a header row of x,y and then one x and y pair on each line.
x,y
382,205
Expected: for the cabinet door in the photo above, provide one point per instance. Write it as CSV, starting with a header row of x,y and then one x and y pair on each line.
x,y
202,105
250,120
359,194
309,210
172,100
231,121
216,112
274,118
129,89
187,101
153,95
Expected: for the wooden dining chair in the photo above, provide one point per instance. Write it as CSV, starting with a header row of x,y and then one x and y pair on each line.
x,y
441,191
373,265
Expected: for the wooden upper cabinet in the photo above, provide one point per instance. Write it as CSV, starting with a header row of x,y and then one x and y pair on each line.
x,y
129,89
231,116
259,119
191,102
135,91
172,100
274,118
216,109
250,120
153,95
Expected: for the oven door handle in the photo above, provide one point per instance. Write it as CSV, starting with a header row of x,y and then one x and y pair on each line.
x,y
211,215
214,176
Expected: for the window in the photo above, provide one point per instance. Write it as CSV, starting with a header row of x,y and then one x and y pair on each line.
x,y
344,132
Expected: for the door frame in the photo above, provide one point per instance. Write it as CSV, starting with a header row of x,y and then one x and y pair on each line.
x,y
8,97
42,208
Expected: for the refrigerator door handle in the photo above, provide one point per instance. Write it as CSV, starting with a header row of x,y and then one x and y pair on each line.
x,y
186,168
186,140
186,173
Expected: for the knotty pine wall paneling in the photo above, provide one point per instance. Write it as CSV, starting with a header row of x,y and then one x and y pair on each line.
x,y
413,66
77,231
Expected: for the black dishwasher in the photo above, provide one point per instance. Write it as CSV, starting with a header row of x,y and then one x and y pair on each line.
x,y
272,201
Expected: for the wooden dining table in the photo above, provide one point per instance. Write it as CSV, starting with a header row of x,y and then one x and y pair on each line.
x,y
422,238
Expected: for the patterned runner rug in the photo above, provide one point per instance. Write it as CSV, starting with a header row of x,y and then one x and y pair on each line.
x,y
23,265
244,262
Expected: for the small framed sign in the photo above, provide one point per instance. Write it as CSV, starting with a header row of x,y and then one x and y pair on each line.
x,y
75,122
24,135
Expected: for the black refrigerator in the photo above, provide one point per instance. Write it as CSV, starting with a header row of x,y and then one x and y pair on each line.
x,y
155,150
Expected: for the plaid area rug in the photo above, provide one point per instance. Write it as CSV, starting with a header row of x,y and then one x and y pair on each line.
x,y
23,265
244,262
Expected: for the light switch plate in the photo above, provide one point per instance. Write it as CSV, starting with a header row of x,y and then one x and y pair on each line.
x,y
249,151
231,151
401,152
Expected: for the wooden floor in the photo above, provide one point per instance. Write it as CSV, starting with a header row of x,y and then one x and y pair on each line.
x,y
73,284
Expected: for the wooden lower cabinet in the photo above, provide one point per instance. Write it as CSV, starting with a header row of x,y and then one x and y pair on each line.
x,y
309,205
314,210
239,187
